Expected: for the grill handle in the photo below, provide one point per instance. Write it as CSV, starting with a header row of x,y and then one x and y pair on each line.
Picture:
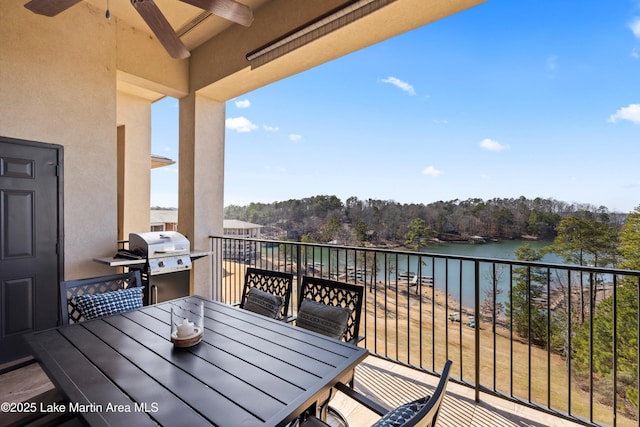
x,y
154,294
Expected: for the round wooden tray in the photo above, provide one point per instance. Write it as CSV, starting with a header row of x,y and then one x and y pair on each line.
x,y
189,341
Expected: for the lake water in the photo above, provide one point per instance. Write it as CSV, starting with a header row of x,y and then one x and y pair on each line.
x,y
460,285
455,277
500,250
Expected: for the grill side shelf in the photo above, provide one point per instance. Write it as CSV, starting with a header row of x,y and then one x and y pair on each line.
x,y
120,262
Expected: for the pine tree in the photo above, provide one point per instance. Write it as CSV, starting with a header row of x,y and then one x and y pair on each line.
x,y
418,234
529,319
625,313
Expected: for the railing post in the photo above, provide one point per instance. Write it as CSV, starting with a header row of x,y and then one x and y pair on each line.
x,y
476,328
299,269
217,291
214,272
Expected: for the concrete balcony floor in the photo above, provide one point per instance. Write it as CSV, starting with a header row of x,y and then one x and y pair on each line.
x,y
389,383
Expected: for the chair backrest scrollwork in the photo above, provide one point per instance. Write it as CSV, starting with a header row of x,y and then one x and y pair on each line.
x,y
271,281
337,294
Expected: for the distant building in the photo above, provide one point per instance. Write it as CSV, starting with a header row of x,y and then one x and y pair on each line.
x,y
237,249
164,220
167,220
236,228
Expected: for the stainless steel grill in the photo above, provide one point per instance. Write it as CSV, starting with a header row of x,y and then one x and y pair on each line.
x,y
165,251
168,261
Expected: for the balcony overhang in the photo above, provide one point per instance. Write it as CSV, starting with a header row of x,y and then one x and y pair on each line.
x,y
220,68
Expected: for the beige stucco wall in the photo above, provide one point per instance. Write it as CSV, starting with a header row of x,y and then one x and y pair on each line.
x,y
134,113
201,180
59,84
63,92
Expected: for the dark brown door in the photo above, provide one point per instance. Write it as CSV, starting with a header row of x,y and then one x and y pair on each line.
x,y
30,230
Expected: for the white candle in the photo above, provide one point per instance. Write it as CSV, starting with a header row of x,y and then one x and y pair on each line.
x,y
185,329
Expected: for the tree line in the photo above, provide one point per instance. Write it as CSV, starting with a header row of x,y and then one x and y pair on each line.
x,y
355,221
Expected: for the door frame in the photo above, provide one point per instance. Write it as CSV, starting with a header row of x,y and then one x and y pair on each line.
x,y
59,196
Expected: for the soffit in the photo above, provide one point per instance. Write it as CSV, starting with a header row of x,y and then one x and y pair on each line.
x,y
180,15
224,79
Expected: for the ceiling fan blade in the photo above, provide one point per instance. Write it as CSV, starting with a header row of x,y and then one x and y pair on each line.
x,y
161,28
227,9
50,7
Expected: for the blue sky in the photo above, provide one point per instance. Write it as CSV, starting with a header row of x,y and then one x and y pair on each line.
x,y
510,98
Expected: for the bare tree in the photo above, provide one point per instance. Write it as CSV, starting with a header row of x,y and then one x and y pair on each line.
x,y
490,307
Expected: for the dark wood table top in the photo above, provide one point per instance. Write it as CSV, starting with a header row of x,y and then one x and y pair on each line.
x,y
247,371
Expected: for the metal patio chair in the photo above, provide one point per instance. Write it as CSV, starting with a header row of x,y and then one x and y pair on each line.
x,y
331,308
422,412
71,291
335,294
267,292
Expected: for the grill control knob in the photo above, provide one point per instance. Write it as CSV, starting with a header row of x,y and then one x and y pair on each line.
x,y
180,262
161,264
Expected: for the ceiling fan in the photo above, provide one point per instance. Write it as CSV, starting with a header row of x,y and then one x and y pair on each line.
x,y
149,11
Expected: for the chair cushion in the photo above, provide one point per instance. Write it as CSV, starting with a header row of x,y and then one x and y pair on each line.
x,y
325,319
263,303
104,304
399,416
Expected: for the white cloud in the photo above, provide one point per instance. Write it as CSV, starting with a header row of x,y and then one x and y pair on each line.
x,y
635,27
244,103
270,128
631,113
400,84
635,53
240,124
491,145
432,171
295,137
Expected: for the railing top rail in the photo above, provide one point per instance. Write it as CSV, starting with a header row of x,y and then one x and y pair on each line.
x,y
533,264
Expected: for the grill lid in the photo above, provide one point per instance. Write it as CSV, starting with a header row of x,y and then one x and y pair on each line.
x,y
166,251
156,244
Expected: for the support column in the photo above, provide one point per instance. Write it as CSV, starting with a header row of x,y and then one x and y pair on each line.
x,y
134,172
201,183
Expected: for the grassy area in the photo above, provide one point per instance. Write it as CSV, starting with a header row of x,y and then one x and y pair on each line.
x,y
511,367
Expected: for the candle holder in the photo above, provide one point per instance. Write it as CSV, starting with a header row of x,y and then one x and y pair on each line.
x,y
187,326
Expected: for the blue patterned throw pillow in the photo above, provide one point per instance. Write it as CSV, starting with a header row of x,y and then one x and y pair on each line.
x,y
325,319
104,304
399,416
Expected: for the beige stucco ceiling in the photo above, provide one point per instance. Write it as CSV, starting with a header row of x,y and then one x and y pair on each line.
x,y
179,14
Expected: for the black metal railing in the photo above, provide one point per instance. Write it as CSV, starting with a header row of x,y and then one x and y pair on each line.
x,y
561,338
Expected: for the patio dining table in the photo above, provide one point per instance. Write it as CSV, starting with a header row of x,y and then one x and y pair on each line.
x,y
248,370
